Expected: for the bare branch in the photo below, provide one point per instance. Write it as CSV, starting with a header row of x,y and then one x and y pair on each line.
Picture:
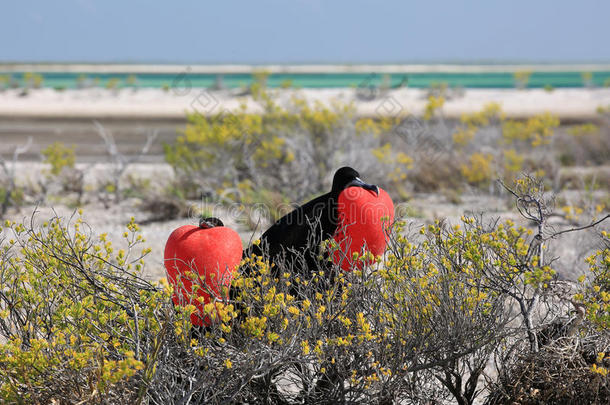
x,y
591,225
120,161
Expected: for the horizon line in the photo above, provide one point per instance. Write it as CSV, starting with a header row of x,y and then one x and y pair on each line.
x,y
275,68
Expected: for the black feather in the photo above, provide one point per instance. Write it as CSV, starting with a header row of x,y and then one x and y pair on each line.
x,y
298,235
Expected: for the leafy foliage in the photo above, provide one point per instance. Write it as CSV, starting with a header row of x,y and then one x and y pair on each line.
x,y
522,78
596,294
74,314
59,156
77,321
230,154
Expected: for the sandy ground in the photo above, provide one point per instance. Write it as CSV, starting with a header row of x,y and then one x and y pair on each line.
x,y
172,104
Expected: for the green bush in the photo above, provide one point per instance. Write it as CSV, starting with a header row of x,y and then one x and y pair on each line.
x,y
78,323
59,157
76,320
5,81
32,80
113,83
225,153
292,145
596,292
522,78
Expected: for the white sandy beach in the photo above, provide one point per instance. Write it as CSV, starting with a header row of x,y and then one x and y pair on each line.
x,y
579,104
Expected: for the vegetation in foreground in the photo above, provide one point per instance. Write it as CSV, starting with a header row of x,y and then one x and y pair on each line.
x,y
470,310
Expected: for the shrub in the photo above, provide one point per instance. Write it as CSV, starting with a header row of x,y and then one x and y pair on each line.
x,y
79,323
587,79
560,374
364,337
573,367
434,105
113,83
399,160
583,145
76,318
536,130
10,193
63,177
268,150
438,89
221,153
438,174
490,114
513,164
5,81
132,81
522,78
463,136
32,80
220,150
59,157
479,169
11,196
83,81
595,294
109,188
584,129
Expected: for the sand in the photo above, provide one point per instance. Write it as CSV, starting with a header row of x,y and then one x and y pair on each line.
x,y
146,103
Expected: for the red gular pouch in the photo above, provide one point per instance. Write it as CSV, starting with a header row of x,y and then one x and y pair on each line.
x,y
364,222
205,255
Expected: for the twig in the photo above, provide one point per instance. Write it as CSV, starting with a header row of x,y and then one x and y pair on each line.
x,y
10,173
120,161
579,228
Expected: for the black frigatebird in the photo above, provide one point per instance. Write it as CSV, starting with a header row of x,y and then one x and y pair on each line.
x,y
301,231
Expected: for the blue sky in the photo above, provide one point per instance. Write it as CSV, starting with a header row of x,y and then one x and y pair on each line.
x,y
299,31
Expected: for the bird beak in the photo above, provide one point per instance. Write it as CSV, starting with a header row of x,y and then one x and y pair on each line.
x,y
357,182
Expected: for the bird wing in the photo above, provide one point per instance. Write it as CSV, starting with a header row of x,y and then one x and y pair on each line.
x,y
294,230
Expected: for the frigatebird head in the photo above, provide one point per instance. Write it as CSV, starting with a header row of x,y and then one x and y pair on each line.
x,y
210,222
347,177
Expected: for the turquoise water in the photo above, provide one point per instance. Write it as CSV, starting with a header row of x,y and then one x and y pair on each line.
x,y
319,80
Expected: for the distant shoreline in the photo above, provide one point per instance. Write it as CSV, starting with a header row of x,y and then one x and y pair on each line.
x,y
305,68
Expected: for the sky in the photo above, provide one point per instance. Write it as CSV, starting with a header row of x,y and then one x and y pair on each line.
x,y
304,31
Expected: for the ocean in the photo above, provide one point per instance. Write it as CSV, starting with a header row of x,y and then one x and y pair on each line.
x,y
537,79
